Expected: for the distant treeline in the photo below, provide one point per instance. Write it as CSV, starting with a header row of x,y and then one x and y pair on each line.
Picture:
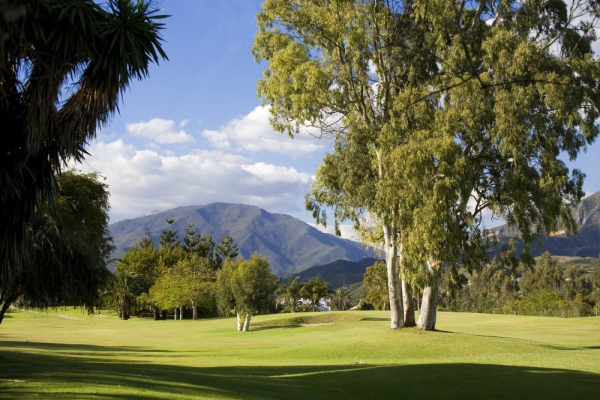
x,y
548,289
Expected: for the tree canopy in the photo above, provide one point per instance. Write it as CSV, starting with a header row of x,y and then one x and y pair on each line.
x,y
69,248
438,111
247,287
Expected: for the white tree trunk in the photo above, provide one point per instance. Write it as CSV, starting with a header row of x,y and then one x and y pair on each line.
x,y
180,313
394,287
247,322
428,313
194,311
239,321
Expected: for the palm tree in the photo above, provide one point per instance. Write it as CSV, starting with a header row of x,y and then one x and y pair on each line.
x,y
315,289
291,292
63,68
342,298
123,289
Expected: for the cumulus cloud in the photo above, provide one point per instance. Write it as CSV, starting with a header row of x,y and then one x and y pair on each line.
x,y
254,133
160,131
143,179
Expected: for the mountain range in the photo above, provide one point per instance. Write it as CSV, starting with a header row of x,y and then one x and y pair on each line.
x,y
294,247
586,243
289,244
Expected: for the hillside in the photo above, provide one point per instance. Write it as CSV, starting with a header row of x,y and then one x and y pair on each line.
x,y
585,244
339,273
289,244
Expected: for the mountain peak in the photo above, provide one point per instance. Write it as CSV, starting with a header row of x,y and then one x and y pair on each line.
x,y
149,212
289,244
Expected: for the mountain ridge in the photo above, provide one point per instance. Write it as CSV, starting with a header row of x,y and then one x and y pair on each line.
x,y
289,244
586,243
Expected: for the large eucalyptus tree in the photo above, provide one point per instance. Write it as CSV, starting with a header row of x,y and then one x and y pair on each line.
x,y
439,110
339,67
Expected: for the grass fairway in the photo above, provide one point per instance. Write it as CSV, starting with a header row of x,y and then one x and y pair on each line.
x,y
347,355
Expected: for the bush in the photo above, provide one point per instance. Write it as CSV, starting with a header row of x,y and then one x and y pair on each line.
x,y
552,304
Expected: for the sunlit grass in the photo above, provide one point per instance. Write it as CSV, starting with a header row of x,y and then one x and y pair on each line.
x,y
337,355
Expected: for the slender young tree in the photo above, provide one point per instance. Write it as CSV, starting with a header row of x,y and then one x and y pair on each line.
x,y
247,287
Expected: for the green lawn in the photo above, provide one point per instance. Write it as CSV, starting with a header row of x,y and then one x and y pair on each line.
x,y
347,355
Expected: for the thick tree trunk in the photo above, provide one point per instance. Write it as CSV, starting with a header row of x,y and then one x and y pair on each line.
x,y
180,313
394,287
247,322
428,314
175,313
156,313
409,309
239,322
194,311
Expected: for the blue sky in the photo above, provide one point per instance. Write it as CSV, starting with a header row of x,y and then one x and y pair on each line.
x,y
193,132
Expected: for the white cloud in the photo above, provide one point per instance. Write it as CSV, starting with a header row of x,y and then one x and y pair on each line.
x,y
141,180
160,131
254,133
272,173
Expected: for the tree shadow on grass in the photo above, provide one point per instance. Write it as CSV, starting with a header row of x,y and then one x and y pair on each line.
x,y
374,319
80,349
257,328
25,374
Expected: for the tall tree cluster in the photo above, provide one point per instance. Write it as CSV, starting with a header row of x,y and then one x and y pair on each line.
x,y
313,290
438,111
549,289
245,287
172,276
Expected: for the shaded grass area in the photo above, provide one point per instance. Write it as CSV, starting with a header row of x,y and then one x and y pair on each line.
x,y
354,356
104,378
